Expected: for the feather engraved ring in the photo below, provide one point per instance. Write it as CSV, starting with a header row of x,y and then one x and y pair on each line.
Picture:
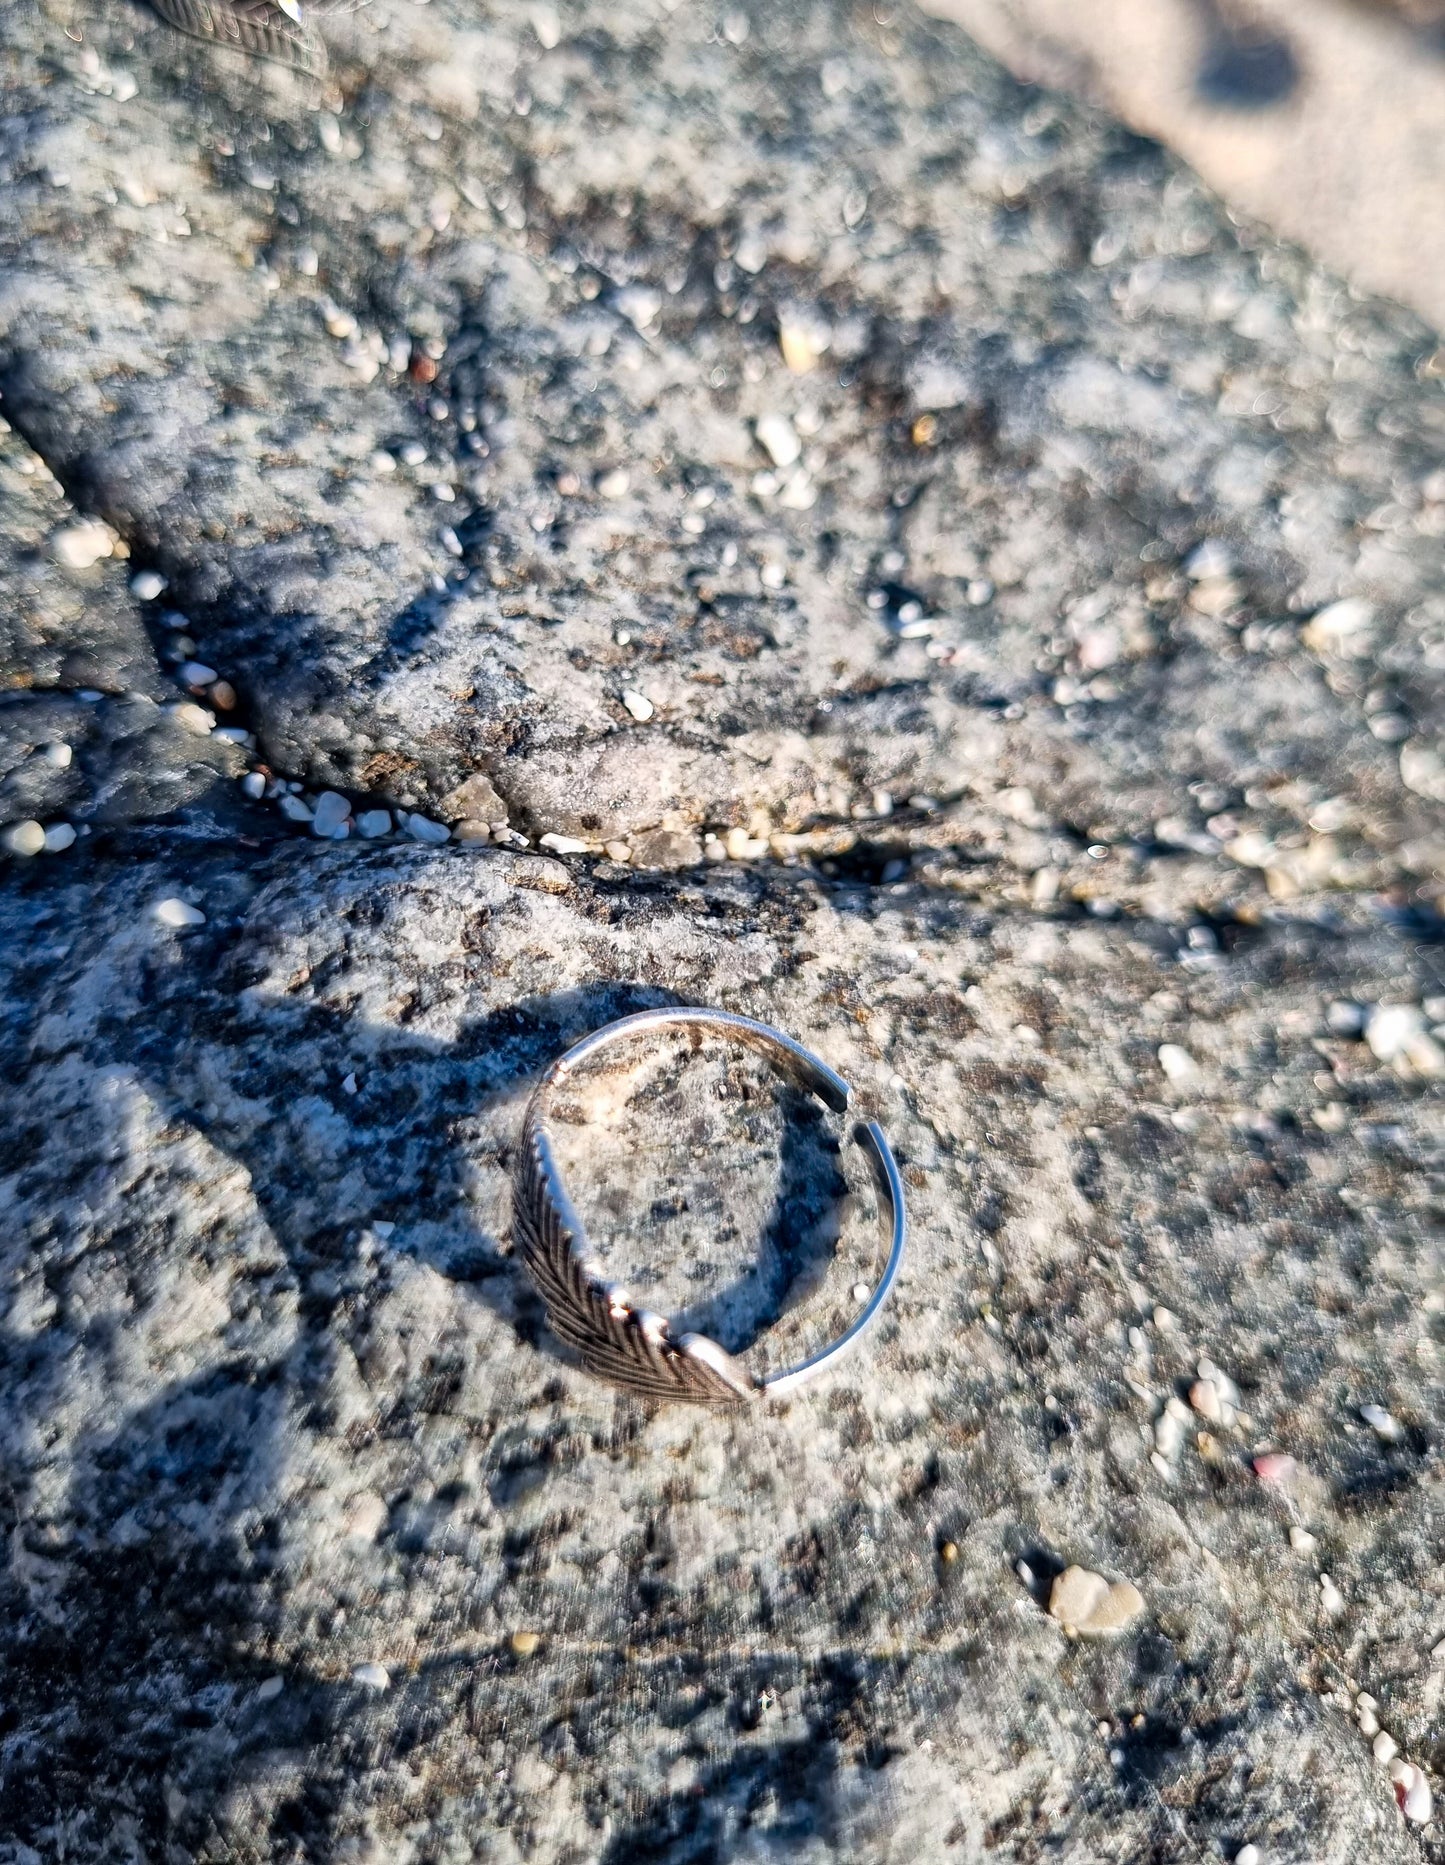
x,y
632,1346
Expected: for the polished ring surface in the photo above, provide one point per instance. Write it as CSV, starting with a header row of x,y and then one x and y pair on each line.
x,y
632,1346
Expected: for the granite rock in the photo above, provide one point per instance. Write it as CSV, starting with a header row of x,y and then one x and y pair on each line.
x,y
280,1404
443,414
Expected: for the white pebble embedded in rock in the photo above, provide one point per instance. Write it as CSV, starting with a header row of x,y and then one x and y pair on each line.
x,y
332,810
25,838
1342,1018
777,437
372,1676
1398,1033
1384,1748
193,718
614,485
1179,1065
77,547
374,822
1412,1791
1086,1604
268,1688
1249,1855
423,829
1204,1397
195,673
146,585
1340,628
177,913
638,704
58,755
58,837
293,809
1385,1427
253,785
563,844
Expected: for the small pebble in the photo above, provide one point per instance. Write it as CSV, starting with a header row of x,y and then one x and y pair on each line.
x,y
1168,1434
80,546
1204,1397
1343,1018
638,704
564,844
1384,1748
293,809
860,1293
374,822
1412,1791
145,586
948,1553
1301,1540
253,784
470,830
1249,1855
1340,627
177,913
193,718
525,1643
195,673
25,838
776,435
332,810
1331,1598
1388,1429
271,1687
1178,1065
1085,1603
348,1084
58,837
423,829
372,1676
223,694
1276,1468
1398,1033
58,755
1369,1722
614,485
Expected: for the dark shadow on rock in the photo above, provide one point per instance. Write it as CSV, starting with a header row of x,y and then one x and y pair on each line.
x,y
169,1592
1243,68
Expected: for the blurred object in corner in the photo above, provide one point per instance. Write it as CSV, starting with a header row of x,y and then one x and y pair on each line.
x,y
1320,118
1245,65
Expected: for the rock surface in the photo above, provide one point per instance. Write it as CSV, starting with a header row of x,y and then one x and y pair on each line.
x,y
280,1405
781,450
443,417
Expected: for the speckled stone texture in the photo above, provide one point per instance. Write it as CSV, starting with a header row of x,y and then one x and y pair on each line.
x,y
1053,745
280,1404
78,671
1052,370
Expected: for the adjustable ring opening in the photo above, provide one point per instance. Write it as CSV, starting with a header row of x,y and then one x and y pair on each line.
x,y
631,1345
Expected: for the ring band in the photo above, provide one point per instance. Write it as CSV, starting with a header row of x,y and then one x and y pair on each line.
x,y
632,1346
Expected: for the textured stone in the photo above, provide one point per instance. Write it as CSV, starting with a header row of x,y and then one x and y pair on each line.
x,y
1053,370
256,1274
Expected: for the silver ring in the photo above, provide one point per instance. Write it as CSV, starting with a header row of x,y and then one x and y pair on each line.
x,y
632,1346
